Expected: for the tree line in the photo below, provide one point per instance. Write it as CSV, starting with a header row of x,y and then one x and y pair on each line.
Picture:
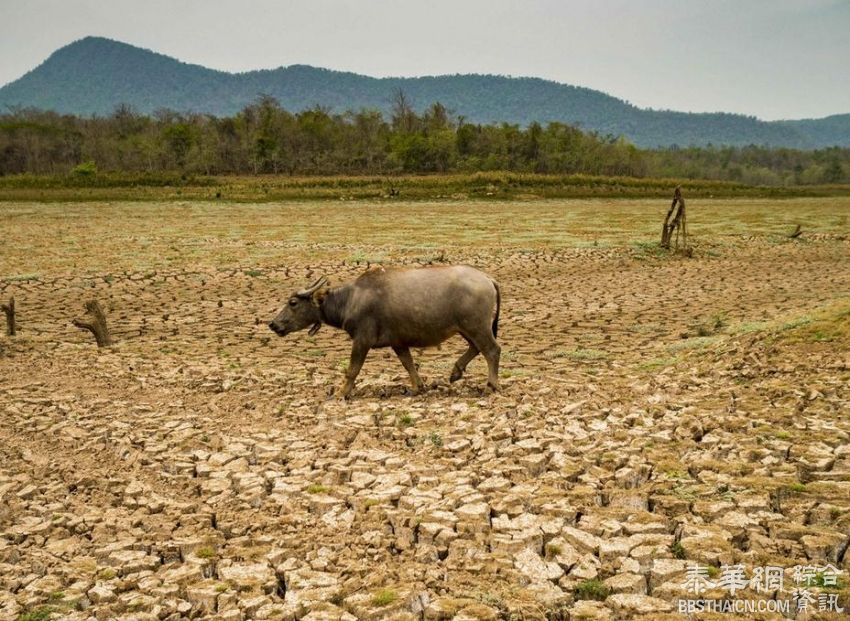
x,y
263,138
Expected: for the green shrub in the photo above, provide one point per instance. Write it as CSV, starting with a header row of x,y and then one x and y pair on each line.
x,y
85,170
205,552
591,589
384,597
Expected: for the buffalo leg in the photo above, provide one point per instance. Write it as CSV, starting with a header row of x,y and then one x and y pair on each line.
x,y
492,354
489,348
403,354
358,356
460,365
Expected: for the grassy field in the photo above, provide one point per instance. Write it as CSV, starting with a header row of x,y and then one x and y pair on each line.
x,y
485,186
127,236
656,410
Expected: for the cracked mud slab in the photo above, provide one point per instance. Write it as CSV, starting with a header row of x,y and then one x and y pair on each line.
x,y
655,412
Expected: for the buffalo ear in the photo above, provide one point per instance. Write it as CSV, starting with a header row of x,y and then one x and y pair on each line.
x,y
318,297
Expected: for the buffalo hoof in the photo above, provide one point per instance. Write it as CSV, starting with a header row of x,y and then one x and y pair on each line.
x,y
342,394
455,376
416,390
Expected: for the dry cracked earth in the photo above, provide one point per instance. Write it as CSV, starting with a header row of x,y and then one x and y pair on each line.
x,y
656,412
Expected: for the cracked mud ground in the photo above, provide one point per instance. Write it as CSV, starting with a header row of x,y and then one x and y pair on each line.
x,y
655,412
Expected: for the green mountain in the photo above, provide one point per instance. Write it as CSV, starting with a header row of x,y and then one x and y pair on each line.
x,y
94,75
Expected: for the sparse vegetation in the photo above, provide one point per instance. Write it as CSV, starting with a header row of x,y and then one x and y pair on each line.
x,y
85,170
582,354
22,278
657,363
591,589
645,250
39,614
205,552
384,597
829,583
677,474
697,342
796,323
361,257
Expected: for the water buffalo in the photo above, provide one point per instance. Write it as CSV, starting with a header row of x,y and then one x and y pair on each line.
x,y
403,308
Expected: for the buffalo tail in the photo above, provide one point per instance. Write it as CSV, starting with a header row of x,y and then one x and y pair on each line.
x,y
498,305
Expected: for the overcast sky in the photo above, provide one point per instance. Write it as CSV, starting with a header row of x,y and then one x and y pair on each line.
x,y
768,58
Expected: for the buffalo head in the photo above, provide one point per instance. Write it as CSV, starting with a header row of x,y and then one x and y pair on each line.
x,y
301,310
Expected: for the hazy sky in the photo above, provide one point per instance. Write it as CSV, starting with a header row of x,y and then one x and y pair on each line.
x,y
768,58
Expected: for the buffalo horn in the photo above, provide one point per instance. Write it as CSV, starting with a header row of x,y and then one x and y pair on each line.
x,y
304,293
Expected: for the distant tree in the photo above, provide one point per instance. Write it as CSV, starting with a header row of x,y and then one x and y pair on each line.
x,y
126,121
833,173
265,138
369,139
179,139
403,116
465,139
436,118
266,134
532,147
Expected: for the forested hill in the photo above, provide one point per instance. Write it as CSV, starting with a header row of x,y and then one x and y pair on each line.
x,y
94,75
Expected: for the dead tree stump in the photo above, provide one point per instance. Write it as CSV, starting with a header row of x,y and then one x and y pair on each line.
x,y
9,309
95,322
675,222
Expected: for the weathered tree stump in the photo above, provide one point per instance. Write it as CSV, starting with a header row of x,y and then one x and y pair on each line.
x,y
675,222
95,322
9,309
